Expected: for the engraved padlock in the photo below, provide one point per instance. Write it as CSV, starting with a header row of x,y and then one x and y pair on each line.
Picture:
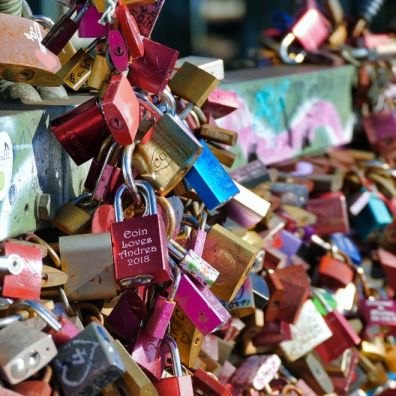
x,y
87,363
146,15
139,244
64,28
209,179
130,31
120,109
169,153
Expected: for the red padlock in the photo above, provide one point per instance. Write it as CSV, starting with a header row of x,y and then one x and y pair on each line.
x,y
146,16
120,109
334,273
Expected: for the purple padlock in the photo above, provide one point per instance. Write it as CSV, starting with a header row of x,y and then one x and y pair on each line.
x,y
378,312
89,24
201,306
118,50
288,243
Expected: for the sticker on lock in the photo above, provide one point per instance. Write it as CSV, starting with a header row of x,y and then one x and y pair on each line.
x,y
6,163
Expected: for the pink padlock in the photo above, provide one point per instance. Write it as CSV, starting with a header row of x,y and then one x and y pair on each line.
x,y
118,50
89,26
201,306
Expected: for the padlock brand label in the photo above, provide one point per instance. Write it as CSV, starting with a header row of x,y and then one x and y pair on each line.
x,y
138,247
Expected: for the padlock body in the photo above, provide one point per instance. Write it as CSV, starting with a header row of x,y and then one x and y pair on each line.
x,y
159,319
201,306
81,131
197,241
146,15
220,103
60,34
121,110
243,303
88,363
209,179
168,155
88,261
140,248
102,219
175,386
152,71
118,50
99,73
71,219
130,31
232,257
27,284
343,337
334,273
31,388
103,186
89,26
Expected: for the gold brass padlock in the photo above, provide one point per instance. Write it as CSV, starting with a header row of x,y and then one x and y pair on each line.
x,y
22,56
100,71
78,68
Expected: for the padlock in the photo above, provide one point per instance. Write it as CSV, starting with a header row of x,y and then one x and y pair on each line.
x,y
160,316
89,26
309,331
130,31
243,303
121,110
246,208
39,387
252,174
137,382
197,238
88,261
152,71
290,194
26,283
76,71
311,30
219,135
208,384
346,245
193,264
201,306
188,337
209,179
117,50
146,15
139,244
81,131
72,219
100,69
334,273
272,334
24,351
343,337
27,60
232,257
126,316
193,84
179,384
169,154
380,312
225,157
89,362
64,28
220,103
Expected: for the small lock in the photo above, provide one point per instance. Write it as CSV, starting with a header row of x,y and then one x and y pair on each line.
x,y
139,244
219,135
100,71
146,15
65,27
73,219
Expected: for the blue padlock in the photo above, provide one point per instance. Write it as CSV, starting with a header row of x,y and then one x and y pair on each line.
x,y
345,244
209,179
375,216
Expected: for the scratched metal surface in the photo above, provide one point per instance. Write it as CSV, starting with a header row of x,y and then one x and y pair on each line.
x,y
31,162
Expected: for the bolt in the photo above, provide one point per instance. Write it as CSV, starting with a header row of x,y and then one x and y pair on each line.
x,y
44,208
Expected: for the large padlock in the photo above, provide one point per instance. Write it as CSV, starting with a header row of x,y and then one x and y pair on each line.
x,y
76,71
169,153
89,26
232,257
24,351
64,28
153,70
209,179
130,31
71,218
23,277
81,131
139,244
87,363
120,109
26,60
88,261
179,384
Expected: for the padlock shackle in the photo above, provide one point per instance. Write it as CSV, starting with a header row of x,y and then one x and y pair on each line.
x,y
193,222
18,317
148,105
44,21
119,213
284,51
169,100
174,350
170,214
41,311
51,252
149,191
127,156
176,282
176,250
